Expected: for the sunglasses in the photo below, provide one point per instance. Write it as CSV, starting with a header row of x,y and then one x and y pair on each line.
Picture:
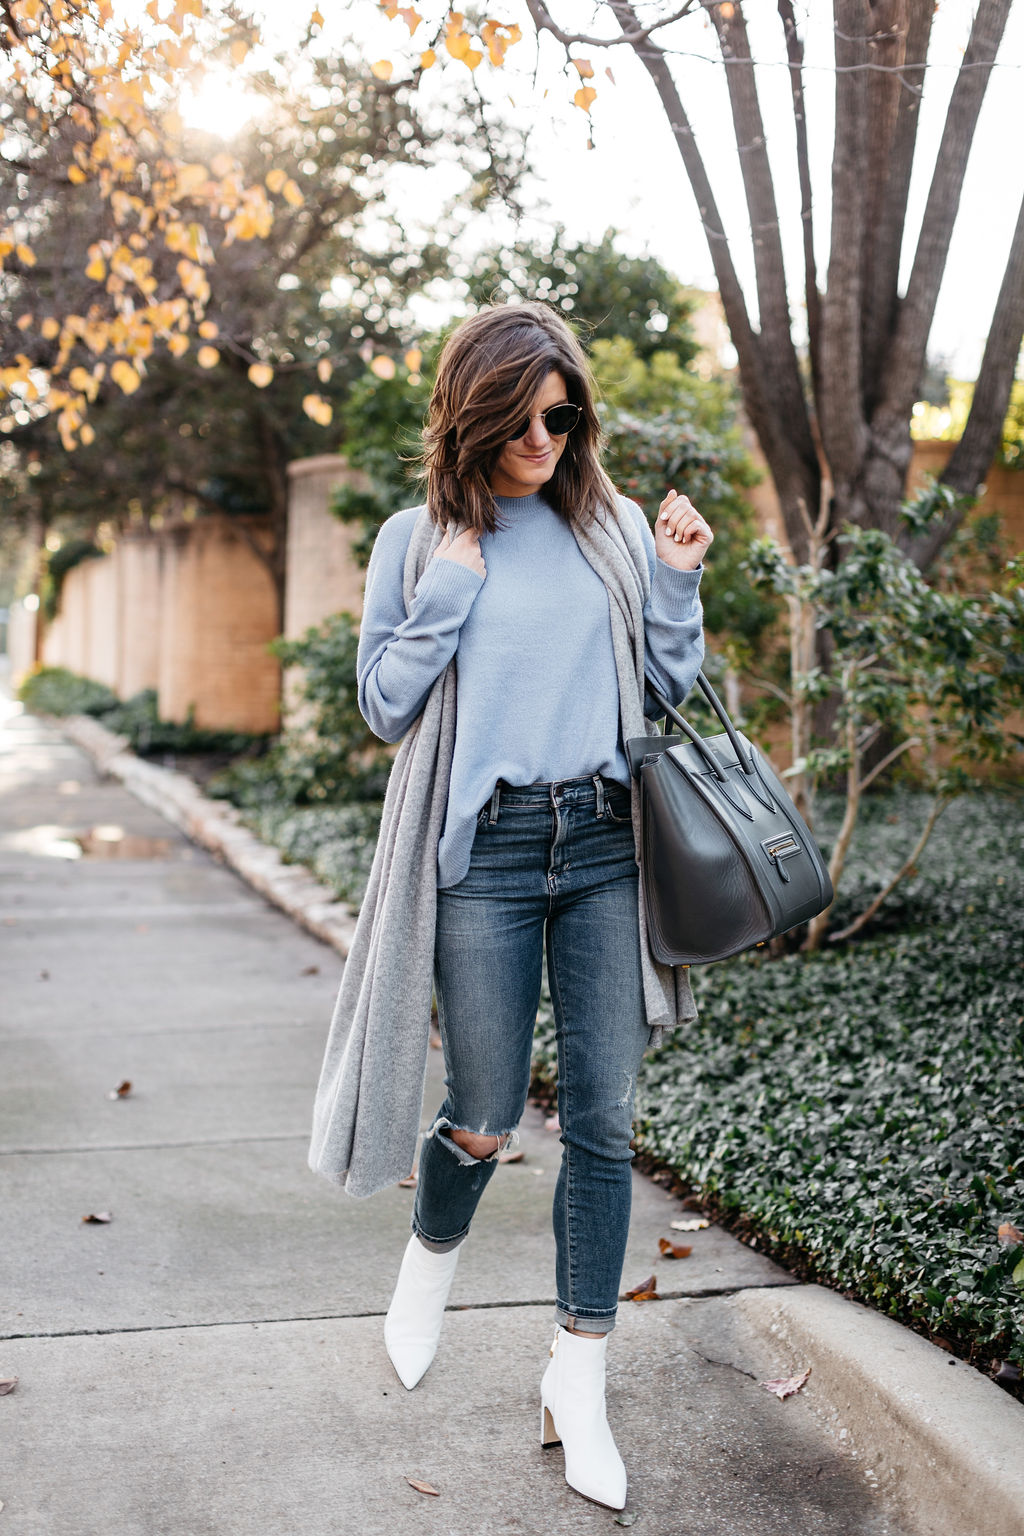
x,y
557,419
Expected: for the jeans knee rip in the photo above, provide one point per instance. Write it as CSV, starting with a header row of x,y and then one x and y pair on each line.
x,y
506,1139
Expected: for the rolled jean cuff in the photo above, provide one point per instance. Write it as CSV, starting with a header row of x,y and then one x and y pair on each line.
x,y
578,1322
439,1245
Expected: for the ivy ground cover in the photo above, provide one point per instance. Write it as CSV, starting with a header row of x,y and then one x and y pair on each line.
x,y
859,1113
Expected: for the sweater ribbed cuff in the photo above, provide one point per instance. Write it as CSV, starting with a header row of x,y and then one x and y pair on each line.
x,y
446,587
673,591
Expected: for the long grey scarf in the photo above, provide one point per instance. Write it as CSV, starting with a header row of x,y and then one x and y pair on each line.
x,y
367,1111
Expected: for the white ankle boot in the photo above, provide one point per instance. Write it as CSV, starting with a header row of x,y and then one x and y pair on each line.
x,y
573,1413
413,1324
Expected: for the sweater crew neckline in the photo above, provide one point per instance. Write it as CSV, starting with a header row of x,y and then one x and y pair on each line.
x,y
516,506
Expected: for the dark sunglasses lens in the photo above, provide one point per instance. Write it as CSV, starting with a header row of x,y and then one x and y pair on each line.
x,y
557,419
561,419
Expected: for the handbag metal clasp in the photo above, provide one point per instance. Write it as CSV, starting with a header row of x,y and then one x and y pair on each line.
x,y
779,847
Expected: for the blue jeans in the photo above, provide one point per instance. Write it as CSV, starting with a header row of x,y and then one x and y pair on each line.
x,y
554,859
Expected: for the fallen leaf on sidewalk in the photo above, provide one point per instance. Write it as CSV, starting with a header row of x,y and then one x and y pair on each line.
x,y
310,970
516,1155
410,1181
696,1224
785,1386
673,1250
1010,1234
647,1290
421,1487
122,1090
8,1385
98,1217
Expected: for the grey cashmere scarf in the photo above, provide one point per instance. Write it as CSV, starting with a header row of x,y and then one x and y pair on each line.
x,y
367,1111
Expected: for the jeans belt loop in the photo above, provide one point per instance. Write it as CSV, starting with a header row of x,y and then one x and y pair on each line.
x,y
599,792
495,804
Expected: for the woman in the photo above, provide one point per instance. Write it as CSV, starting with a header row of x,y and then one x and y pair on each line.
x,y
506,631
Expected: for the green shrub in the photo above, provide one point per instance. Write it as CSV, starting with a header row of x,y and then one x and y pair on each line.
x,y
336,842
139,720
57,691
333,756
860,1111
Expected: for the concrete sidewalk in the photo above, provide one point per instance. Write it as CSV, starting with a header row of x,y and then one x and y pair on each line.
x,y
210,1362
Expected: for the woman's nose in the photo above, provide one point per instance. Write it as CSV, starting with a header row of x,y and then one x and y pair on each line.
x,y
538,436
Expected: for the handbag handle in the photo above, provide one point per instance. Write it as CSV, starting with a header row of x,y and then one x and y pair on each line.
x,y
719,708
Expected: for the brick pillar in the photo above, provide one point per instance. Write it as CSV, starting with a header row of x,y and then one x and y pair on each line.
x,y
322,576
138,662
219,610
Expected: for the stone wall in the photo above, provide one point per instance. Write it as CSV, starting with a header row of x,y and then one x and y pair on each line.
x,y
188,610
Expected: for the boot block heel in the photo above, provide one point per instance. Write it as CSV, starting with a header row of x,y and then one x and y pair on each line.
x,y
548,1433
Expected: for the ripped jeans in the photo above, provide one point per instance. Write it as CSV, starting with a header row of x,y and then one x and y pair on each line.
x,y
554,860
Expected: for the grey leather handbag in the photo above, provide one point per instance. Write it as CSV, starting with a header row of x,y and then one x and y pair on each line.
x,y
727,860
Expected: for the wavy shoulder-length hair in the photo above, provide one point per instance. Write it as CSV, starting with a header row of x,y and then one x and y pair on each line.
x,y
488,375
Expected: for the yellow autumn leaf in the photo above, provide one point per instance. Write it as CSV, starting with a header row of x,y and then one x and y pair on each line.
x,y
76,174
124,375
471,58
97,269
239,51
208,330
261,375
383,366
80,379
317,409
177,345
316,20
275,179
292,193
25,254
207,357
428,58
413,359
50,328
412,18
584,96
383,69
24,321
87,435
323,370
584,68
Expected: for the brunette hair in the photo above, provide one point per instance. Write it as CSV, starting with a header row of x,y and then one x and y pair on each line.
x,y
488,375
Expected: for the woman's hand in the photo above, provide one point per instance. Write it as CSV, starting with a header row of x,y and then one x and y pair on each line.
x,y
464,549
681,536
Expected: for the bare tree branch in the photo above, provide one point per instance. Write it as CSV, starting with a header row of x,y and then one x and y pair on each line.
x,y
795,53
545,22
840,413
906,356
970,459
895,100
774,320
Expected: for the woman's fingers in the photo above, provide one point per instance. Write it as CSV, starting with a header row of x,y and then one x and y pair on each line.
x,y
679,518
464,549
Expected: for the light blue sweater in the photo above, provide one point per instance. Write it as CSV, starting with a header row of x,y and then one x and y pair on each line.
x,y
537,696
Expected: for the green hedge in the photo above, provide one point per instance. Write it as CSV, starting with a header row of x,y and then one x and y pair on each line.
x,y
860,1113
56,691
336,842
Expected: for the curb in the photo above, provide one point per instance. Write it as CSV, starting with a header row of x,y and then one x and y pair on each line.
x,y
934,1435
216,825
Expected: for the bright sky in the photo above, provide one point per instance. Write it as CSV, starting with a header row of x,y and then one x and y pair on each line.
x,y
633,179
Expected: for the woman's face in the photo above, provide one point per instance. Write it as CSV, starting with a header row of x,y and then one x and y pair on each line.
x,y
529,462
